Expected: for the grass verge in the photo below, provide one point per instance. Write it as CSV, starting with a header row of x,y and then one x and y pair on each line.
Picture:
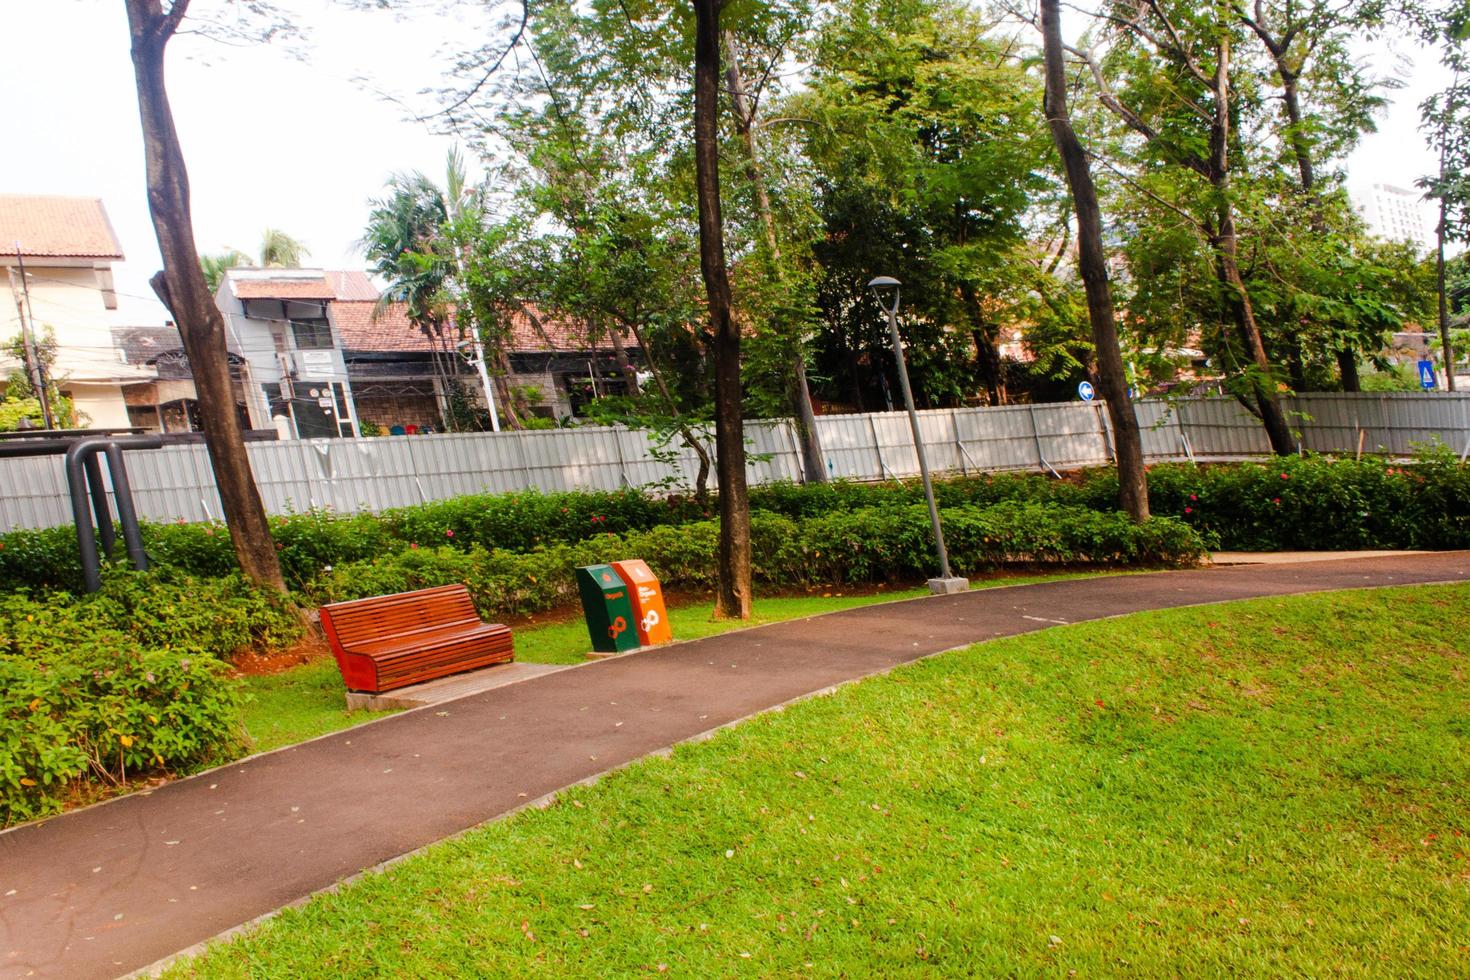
x,y
303,702
1272,786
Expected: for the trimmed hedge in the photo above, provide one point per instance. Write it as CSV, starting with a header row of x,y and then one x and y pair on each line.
x,y
866,545
1320,503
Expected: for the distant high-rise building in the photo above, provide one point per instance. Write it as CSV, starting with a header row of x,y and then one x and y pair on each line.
x,y
1399,215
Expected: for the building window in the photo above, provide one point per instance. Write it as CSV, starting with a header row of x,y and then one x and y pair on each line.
x,y
312,334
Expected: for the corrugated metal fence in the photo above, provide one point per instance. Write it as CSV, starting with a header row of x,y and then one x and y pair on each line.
x,y
376,474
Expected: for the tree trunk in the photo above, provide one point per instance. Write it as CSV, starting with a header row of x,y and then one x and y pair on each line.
x,y
985,353
1347,369
1111,373
510,419
1347,358
733,599
182,289
813,470
620,356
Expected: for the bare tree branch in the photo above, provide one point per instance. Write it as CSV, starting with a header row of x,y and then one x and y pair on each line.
x,y
515,41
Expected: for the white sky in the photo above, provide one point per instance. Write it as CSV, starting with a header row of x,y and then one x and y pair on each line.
x,y
275,142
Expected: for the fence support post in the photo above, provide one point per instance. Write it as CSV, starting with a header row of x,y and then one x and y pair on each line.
x,y
954,423
1102,428
1036,436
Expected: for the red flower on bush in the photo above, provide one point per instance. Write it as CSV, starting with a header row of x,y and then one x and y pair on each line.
x,y
1285,477
1189,510
1193,497
1276,501
449,532
413,545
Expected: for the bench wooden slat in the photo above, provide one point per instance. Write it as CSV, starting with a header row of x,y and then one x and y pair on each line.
x,y
392,641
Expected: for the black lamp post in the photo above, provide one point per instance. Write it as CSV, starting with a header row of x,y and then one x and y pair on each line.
x,y
886,290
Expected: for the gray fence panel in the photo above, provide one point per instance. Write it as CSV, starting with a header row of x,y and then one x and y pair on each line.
x,y
847,443
376,474
1159,429
771,449
33,493
997,438
1069,435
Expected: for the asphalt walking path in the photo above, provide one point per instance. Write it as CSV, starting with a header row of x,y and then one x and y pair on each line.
x,y
115,888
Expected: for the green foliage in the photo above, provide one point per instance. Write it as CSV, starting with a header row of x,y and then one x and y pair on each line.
x,y
12,410
1326,504
928,155
214,617
85,696
20,399
1317,503
858,544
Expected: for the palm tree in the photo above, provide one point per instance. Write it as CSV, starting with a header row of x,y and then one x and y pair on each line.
x,y
280,251
409,244
214,266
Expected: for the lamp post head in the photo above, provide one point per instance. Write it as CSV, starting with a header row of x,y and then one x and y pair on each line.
x,y
883,287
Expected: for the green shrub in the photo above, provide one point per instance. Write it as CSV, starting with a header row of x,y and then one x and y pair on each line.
x,y
213,617
1312,502
872,544
40,559
525,520
1319,503
81,698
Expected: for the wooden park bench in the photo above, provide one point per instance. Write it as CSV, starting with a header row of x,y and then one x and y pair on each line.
x,y
392,641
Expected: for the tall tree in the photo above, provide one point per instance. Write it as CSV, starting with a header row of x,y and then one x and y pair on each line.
x,y
733,600
419,239
923,135
1182,101
744,111
1446,120
1092,262
182,289
1327,104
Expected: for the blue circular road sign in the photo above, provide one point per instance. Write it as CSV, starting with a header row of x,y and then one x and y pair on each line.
x,y
1085,392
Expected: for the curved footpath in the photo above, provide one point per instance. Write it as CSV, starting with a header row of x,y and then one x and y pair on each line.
x,y
120,886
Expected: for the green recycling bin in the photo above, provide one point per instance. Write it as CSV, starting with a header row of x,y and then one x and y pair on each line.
x,y
608,609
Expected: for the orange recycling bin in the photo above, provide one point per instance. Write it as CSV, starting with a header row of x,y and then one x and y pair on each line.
x,y
648,602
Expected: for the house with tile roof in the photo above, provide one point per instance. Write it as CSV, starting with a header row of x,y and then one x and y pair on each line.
x,y
168,404
400,374
293,376
56,256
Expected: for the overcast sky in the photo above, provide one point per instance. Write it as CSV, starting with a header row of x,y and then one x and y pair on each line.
x,y
299,145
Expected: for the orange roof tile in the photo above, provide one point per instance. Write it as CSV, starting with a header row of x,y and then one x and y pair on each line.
x,y
352,285
57,227
294,288
391,330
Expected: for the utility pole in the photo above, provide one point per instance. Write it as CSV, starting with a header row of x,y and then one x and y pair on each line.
x,y
34,368
477,358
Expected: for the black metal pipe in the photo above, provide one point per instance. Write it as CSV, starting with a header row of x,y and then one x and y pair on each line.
x,y
76,484
127,514
100,510
78,455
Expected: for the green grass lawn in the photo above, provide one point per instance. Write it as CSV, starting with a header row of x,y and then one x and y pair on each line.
x,y
307,701
1272,786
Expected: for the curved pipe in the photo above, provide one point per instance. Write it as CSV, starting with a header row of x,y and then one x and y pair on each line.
x,y
80,458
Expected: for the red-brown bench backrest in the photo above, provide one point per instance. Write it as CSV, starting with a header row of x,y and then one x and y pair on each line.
x,y
390,615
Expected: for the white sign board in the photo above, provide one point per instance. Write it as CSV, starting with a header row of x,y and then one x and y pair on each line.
x,y
315,364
